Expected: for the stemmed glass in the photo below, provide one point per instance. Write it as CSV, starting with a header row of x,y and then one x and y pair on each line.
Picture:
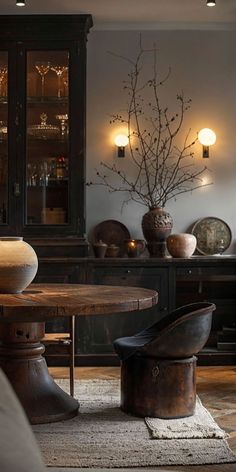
x,y
42,67
59,71
3,75
65,83
63,123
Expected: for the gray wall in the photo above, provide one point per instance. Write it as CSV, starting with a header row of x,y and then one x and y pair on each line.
x,y
203,64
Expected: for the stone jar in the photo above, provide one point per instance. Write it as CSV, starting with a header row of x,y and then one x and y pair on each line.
x,y
18,264
181,245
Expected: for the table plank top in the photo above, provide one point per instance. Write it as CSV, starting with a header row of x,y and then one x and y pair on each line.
x,y
41,302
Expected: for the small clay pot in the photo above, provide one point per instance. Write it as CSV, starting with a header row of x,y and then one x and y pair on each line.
x,y
181,245
113,251
99,249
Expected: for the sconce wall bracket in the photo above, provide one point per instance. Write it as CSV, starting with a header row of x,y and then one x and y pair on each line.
x,y
205,151
121,151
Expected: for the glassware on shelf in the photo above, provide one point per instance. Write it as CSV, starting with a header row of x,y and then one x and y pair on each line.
x,y
63,124
44,130
43,174
61,168
43,68
32,175
3,81
3,131
52,169
59,71
65,85
38,174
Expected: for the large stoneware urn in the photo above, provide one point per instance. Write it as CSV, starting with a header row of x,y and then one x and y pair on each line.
x,y
181,245
157,225
18,264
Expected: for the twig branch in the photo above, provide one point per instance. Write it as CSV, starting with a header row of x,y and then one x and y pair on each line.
x,y
161,168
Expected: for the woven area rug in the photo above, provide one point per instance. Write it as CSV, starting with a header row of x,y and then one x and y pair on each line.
x,y
102,436
199,426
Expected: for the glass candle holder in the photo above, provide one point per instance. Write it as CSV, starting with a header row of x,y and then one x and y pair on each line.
x,y
132,248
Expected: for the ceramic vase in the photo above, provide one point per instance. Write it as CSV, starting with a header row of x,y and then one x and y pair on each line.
x,y
157,224
181,245
18,264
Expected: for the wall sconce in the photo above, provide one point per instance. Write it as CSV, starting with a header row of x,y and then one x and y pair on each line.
x,y
121,140
207,138
20,3
211,3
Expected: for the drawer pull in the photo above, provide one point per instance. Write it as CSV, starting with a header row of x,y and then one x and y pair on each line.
x,y
189,271
128,271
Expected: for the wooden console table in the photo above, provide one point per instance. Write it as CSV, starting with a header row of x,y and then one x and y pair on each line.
x,y
22,326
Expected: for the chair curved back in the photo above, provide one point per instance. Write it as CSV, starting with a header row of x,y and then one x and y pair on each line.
x,y
180,334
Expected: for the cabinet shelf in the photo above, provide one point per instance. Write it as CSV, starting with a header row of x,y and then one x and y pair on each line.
x,y
60,184
32,140
47,100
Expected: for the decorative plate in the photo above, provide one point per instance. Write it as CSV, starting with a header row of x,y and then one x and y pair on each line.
x,y
111,232
213,235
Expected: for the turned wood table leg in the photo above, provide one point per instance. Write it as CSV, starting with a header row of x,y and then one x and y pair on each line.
x,y
22,361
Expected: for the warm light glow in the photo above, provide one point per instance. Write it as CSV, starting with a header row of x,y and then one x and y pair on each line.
x,y
207,137
211,3
131,244
121,140
205,181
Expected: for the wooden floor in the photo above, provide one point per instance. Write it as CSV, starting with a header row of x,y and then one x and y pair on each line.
x,y
216,386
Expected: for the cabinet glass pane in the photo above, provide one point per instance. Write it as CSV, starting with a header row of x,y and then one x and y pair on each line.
x,y
47,156
3,135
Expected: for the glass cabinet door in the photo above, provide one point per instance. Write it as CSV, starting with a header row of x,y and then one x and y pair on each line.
x,y
47,138
3,136
43,129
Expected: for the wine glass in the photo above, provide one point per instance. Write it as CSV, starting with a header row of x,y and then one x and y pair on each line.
x,y
59,71
42,67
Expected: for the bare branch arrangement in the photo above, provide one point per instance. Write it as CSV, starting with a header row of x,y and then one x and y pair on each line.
x,y
162,169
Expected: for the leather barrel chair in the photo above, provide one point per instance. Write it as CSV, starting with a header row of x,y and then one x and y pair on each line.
x,y
158,365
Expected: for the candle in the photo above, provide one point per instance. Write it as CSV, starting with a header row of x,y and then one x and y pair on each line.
x,y
132,248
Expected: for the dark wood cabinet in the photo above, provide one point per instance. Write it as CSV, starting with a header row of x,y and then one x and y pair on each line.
x,y
178,282
42,130
213,281
97,335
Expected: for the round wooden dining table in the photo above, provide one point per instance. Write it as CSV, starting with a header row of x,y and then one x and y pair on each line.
x,y
22,327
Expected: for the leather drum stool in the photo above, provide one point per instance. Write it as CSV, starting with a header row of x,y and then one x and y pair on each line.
x,y
158,364
163,388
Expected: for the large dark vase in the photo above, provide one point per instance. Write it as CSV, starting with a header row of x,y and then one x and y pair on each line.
x,y
157,225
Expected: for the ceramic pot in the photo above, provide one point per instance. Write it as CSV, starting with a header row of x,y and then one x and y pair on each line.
x,y
99,249
18,264
113,251
181,245
157,225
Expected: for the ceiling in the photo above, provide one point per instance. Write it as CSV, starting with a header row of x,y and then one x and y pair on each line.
x,y
135,14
